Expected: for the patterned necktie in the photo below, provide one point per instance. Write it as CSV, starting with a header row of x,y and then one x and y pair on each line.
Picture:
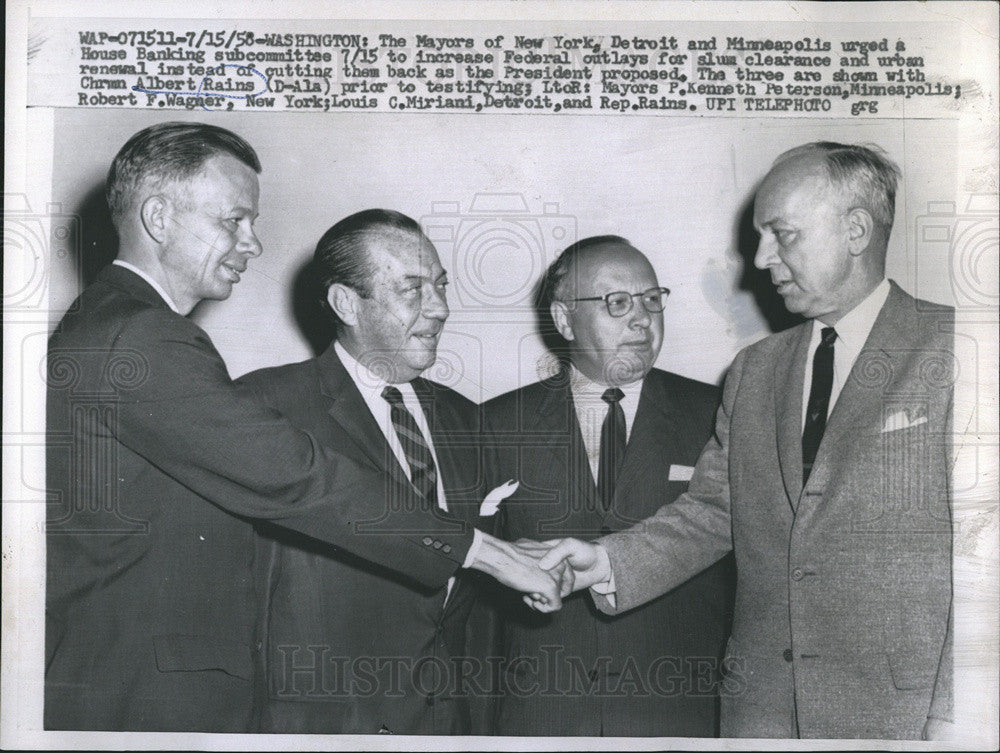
x,y
612,446
423,474
819,400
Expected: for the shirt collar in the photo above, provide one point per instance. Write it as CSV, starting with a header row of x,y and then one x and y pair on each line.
x,y
585,389
152,283
369,383
855,326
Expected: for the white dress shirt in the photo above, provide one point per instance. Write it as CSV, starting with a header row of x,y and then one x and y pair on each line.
x,y
591,410
153,283
370,386
852,333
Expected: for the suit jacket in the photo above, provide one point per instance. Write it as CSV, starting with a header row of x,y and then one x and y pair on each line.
x,y
842,618
350,646
156,463
654,670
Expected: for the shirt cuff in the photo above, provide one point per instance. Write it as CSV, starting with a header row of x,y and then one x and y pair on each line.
x,y
477,543
607,588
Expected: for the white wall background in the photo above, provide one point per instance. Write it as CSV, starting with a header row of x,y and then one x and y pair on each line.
x,y
676,187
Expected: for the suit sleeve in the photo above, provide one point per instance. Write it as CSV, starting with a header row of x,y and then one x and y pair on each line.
x,y
177,408
684,537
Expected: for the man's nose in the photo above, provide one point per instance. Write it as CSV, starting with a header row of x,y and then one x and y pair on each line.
x,y
435,305
766,255
639,317
249,244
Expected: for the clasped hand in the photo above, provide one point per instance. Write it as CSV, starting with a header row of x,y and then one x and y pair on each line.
x,y
545,572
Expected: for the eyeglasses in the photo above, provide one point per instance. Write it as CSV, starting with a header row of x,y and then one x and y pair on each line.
x,y
619,303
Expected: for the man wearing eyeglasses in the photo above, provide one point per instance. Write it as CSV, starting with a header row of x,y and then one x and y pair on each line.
x,y
596,448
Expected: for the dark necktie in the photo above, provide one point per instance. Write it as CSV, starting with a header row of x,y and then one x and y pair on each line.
x,y
612,446
819,400
423,474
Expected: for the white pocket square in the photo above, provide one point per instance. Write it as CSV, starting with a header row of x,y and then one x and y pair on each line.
x,y
681,473
901,420
492,502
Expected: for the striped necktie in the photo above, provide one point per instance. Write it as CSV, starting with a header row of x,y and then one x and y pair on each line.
x,y
423,473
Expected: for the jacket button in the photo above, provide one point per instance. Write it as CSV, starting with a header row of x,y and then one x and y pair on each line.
x,y
427,540
787,654
446,548
797,574
437,544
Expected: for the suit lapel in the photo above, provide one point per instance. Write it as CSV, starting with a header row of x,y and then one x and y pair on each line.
x,y
555,417
349,410
438,424
653,436
789,375
862,398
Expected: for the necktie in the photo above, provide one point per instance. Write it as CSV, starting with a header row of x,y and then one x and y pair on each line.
x,y
423,474
819,400
612,446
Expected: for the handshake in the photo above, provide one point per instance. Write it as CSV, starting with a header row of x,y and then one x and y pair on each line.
x,y
543,571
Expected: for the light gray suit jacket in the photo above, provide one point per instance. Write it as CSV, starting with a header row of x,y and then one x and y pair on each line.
x,y
843,605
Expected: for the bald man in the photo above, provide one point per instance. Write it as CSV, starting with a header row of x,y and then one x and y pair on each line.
x,y
597,447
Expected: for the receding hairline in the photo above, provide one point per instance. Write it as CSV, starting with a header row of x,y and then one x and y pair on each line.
x,y
586,254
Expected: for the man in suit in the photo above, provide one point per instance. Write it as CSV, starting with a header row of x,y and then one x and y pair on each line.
x,y
596,448
828,475
399,644
156,461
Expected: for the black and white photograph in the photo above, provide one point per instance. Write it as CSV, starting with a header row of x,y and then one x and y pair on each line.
x,y
523,375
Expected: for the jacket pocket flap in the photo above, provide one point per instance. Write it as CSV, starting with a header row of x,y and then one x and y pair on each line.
x,y
194,653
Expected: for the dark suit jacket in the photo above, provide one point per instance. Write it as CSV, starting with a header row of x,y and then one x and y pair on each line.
x,y
842,618
382,648
156,461
577,672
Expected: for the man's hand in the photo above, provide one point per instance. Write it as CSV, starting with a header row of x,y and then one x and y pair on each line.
x,y
517,568
588,563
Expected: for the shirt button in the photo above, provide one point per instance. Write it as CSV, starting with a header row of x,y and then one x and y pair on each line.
x,y
797,574
787,654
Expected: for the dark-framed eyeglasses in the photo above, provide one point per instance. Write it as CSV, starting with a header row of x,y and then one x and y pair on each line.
x,y
619,303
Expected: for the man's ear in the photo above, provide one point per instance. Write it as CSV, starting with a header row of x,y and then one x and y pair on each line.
x,y
153,214
561,318
344,301
860,230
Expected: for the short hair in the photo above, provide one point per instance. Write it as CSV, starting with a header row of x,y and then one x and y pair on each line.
x,y
341,256
168,152
555,276
864,171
